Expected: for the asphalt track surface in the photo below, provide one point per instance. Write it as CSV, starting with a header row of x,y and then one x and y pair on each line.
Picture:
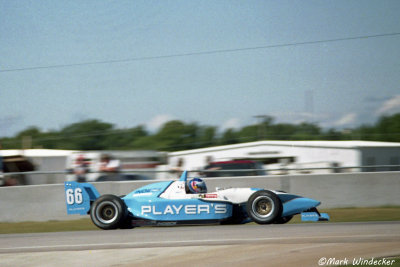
x,y
309,244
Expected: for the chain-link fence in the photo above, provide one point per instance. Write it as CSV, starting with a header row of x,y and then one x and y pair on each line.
x,y
56,177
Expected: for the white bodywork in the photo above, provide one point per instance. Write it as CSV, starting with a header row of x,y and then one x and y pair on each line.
x,y
234,195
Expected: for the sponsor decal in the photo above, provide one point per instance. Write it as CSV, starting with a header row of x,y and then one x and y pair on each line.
x,y
208,196
181,186
78,208
141,223
185,209
146,191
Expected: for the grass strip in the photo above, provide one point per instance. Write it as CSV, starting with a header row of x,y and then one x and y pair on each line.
x,y
49,226
359,214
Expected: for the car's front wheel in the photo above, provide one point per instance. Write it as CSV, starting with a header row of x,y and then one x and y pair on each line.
x,y
107,212
264,207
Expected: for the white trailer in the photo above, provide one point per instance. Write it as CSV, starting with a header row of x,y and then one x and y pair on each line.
x,y
302,154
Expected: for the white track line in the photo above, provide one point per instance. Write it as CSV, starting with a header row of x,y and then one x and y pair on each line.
x,y
95,246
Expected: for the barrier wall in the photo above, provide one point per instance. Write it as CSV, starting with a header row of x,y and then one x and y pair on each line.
x,y
46,202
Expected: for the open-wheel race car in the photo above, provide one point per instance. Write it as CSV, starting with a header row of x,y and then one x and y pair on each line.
x,y
186,201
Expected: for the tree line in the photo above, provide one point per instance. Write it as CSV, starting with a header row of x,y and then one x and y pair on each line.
x,y
176,135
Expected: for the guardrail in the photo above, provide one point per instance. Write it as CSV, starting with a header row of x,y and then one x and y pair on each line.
x,y
47,202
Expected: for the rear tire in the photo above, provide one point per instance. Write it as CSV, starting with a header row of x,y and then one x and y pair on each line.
x,y
264,207
108,212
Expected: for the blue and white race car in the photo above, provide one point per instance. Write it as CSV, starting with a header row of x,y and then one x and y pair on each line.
x,y
186,201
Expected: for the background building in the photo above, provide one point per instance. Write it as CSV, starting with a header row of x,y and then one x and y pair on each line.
x,y
299,154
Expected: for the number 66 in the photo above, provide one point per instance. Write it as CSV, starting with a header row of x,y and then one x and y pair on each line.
x,y
74,196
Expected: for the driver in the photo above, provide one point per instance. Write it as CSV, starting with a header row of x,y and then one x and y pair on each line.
x,y
196,186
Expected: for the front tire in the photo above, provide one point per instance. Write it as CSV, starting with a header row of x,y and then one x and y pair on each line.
x,y
264,207
108,212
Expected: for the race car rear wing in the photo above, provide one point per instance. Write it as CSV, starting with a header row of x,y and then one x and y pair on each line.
x,y
79,196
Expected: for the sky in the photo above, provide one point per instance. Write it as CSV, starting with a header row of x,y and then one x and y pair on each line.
x,y
220,63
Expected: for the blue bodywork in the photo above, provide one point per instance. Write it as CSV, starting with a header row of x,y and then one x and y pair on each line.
x,y
145,204
79,196
297,205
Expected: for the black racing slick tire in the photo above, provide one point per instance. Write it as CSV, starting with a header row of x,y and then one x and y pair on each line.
x,y
108,212
264,207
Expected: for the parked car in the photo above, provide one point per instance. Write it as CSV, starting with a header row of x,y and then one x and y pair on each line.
x,y
234,168
122,177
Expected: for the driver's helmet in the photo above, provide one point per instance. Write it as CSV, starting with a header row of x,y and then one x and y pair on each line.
x,y
197,186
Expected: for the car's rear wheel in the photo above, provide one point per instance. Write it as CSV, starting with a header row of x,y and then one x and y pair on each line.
x,y
108,212
264,207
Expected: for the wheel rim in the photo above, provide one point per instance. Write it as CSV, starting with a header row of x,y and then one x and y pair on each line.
x,y
263,206
107,212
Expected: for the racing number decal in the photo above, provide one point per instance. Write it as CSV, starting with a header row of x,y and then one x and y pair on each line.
x,y
74,196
